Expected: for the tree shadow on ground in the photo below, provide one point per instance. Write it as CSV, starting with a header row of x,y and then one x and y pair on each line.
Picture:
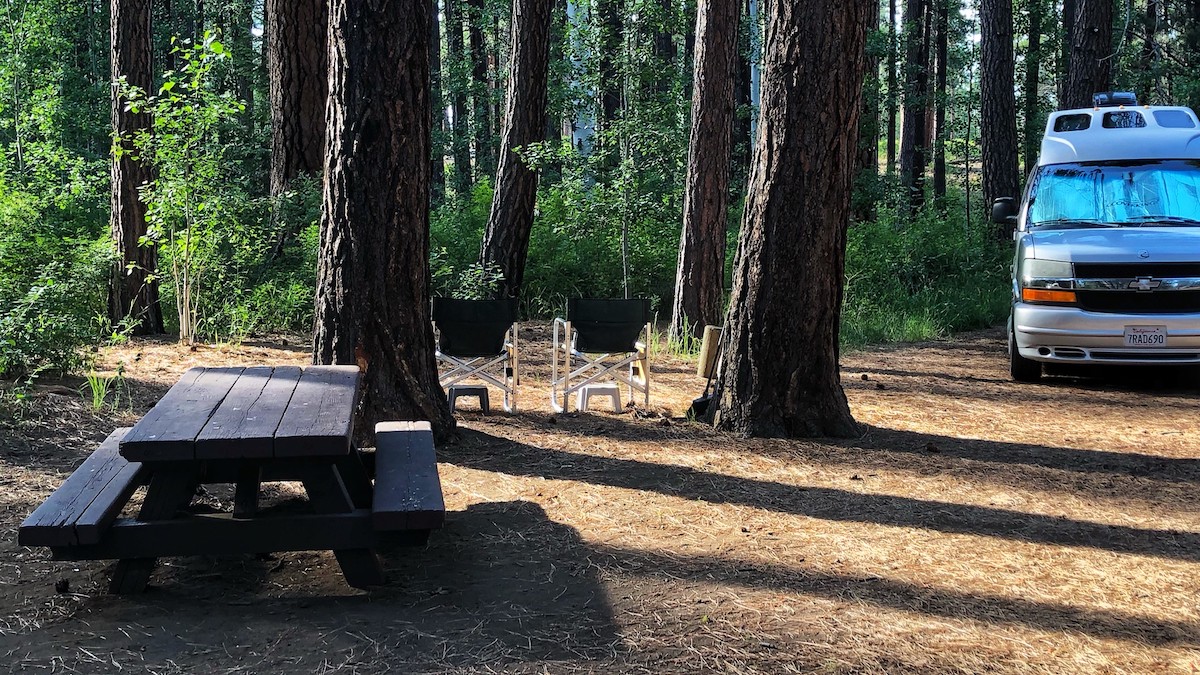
x,y
875,590
500,455
1016,465
501,584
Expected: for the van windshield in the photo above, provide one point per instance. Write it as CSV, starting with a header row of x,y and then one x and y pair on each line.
x,y
1149,193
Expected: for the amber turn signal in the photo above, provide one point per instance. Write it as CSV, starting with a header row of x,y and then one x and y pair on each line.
x,y
1046,295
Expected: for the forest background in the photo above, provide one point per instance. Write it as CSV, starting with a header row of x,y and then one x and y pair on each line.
x,y
235,232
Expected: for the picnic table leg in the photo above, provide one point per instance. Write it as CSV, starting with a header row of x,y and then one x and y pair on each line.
x,y
170,489
328,494
245,496
356,479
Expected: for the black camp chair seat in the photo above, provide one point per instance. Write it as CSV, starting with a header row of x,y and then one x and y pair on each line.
x,y
600,338
477,340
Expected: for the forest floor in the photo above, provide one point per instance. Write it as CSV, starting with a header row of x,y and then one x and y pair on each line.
x,y
977,526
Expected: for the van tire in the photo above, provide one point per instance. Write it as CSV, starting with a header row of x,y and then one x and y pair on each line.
x,y
1021,368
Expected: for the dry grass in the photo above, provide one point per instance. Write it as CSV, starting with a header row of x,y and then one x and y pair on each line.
x,y
977,526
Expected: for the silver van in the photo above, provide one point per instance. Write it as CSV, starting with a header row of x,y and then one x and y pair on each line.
x,y
1107,264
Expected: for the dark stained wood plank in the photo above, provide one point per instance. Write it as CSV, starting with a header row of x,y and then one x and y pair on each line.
x,y
320,416
104,509
169,430
408,490
244,424
223,533
53,523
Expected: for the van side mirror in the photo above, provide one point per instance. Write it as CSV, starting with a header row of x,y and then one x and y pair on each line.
x,y
1004,211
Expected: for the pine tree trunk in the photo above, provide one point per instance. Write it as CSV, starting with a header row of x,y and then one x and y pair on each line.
x,y
133,292
916,92
297,63
741,142
437,159
1062,72
779,373
867,167
1033,74
998,106
942,14
485,158
373,265
460,148
1091,53
506,239
700,273
893,87
610,52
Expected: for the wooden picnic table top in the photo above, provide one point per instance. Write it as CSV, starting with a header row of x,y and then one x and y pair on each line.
x,y
259,412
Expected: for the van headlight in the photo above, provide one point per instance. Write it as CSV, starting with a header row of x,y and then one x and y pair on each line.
x,y
1047,281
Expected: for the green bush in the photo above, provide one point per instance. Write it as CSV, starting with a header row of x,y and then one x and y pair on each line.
x,y
924,279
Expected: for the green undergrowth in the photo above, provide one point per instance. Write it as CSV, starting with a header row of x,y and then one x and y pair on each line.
x,y
925,279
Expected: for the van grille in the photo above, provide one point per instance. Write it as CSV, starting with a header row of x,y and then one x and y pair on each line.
x,y
1133,302
1135,270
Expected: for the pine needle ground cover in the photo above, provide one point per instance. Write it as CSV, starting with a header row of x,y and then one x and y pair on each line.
x,y
977,526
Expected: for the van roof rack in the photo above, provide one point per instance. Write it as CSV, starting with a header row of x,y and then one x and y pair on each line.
x,y
1113,99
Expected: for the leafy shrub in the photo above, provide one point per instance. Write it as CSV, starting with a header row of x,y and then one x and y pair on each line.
x,y
909,281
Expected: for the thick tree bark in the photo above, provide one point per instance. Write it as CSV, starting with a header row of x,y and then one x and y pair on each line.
x,y
1091,53
460,148
913,152
741,143
297,64
1033,74
699,276
866,170
779,374
506,239
373,268
610,33
942,27
893,86
998,105
133,292
1063,67
485,157
437,158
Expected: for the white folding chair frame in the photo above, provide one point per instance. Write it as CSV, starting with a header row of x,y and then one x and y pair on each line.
x,y
479,367
578,365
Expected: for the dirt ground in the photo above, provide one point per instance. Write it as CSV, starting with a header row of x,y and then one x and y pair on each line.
x,y
977,526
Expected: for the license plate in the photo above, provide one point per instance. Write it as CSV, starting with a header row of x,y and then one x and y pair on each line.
x,y
1145,336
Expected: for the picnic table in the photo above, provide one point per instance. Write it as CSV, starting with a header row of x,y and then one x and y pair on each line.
x,y
246,426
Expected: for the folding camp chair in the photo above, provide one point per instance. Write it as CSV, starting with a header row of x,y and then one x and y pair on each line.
x,y
595,342
478,339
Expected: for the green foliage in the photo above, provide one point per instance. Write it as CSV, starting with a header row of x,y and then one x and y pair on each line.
x,y
192,197
51,321
923,279
52,280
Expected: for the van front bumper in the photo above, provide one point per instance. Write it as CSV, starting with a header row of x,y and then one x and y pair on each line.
x,y
1071,335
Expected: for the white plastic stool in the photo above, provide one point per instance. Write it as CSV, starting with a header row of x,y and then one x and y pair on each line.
x,y
609,389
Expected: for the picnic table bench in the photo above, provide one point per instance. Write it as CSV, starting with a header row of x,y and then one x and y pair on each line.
x,y
246,426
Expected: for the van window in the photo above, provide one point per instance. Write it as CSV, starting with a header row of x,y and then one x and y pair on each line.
x,y
1123,193
1124,119
1174,119
1073,122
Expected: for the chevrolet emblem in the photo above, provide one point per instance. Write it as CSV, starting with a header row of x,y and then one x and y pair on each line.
x,y
1144,284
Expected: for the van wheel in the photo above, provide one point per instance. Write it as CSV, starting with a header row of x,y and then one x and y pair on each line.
x,y
1021,368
